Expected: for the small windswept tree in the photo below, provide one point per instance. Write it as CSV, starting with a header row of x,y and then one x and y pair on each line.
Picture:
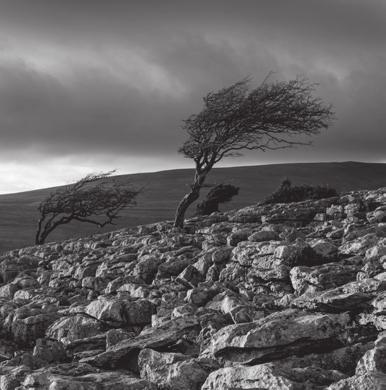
x,y
219,194
238,118
92,199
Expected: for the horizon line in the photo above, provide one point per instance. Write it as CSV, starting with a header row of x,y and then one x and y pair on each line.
x,y
215,168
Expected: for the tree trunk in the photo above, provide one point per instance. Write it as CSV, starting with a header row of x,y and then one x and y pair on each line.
x,y
38,239
42,232
188,199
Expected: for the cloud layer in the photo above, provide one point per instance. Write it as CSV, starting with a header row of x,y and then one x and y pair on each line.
x,y
96,83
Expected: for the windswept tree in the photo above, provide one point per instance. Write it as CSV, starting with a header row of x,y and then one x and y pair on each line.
x,y
239,118
92,199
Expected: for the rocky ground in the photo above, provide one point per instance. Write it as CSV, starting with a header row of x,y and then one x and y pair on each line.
x,y
286,296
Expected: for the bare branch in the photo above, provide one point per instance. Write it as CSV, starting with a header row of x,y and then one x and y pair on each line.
x,y
92,199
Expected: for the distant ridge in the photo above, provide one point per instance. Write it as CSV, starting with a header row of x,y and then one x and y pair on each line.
x,y
164,189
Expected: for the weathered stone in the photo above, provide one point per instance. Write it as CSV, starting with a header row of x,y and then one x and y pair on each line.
x,y
190,277
325,249
114,336
49,350
11,378
239,235
87,345
378,215
147,268
199,296
104,380
203,263
172,370
106,309
246,252
358,246
233,272
221,255
82,271
226,302
125,353
74,327
173,267
263,235
344,359
213,274
278,335
25,330
269,376
8,290
121,312
370,372
11,266
319,278
353,296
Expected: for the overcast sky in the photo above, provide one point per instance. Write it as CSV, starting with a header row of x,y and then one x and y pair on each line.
x,y
97,85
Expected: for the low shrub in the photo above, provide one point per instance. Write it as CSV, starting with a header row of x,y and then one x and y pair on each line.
x,y
287,193
219,194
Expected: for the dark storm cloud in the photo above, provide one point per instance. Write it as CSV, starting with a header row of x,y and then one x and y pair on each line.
x,y
93,112
84,77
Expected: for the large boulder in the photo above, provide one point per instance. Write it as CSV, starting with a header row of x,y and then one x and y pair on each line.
x,y
352,296
370,372
121,312
103,380
27,323
74,327
318,278
124,354
270,376
174,371
278,335
147,268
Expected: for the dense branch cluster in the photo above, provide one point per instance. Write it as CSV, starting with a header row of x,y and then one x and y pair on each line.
x,y
265,118
92,199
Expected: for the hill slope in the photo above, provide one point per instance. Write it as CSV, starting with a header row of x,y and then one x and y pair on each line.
x,y
164,189
282,296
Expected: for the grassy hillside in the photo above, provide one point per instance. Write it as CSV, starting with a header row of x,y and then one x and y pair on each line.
x,y
164,189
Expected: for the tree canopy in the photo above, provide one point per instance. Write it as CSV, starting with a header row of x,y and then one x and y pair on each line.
x,y
265,118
